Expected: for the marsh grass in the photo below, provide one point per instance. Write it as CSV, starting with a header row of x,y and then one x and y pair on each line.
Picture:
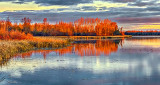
x,y
49,42
10,47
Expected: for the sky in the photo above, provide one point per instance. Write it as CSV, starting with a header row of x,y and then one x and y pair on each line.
x,y
129,14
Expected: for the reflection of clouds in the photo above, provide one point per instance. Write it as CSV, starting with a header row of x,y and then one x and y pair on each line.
x,y
96,65
152,44
122,64
3,82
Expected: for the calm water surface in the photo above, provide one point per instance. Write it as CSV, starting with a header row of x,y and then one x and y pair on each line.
x,y
134,61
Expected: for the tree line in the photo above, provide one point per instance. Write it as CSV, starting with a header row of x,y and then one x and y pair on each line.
x,y
144,33
80,27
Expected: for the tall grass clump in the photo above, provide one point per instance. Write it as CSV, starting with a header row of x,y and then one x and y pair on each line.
x,y
48,42
10,47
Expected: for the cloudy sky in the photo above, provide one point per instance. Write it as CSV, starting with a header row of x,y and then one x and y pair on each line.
x,y
129,14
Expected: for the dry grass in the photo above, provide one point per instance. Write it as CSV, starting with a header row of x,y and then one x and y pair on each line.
x,y
49,42
10,47
93,37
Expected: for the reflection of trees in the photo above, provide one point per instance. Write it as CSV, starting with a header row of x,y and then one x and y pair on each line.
x,y
91,49
80,48
26,55
29,54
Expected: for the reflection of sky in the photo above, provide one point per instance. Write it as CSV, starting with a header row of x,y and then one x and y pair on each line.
x,y
93,64
139,66
125,65
138,45
144,42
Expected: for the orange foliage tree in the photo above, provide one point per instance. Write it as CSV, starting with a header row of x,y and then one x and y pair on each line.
x,y
12,31
80,27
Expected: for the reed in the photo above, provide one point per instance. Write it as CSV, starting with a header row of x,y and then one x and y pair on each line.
x,y
10,47
49,42
94,37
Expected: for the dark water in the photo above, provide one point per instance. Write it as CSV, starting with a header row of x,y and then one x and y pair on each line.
x,y
134,61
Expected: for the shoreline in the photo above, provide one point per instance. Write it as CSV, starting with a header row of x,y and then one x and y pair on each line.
x,y
146,36
8,48
93,37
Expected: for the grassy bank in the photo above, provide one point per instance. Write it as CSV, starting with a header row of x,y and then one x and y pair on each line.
x,y
10,47
94,37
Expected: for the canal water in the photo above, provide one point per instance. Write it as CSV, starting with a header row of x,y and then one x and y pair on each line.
x,y
132,61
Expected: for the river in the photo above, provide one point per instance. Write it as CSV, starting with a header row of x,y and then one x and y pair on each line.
x,y
132,61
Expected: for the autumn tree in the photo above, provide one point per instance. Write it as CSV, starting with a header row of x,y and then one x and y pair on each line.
x,y
80,27
8,24
26,25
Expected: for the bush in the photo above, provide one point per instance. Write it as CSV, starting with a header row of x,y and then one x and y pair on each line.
x,y
5,35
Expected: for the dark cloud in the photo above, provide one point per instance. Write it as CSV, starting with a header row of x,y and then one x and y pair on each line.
x,y
122,1
102,8
125,9
62,2
141,3
138,20
55,17
136,12
120,16
88,8
84,8
6,0
53,2
153,9
62,9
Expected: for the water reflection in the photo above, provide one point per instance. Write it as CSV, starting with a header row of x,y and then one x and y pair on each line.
x,y
80,48
91,48
85,63
141,45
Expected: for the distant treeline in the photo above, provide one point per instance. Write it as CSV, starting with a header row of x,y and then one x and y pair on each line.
x,y
143,33
80,27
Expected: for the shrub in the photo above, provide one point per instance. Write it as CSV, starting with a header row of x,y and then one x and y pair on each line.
x,y
5,35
